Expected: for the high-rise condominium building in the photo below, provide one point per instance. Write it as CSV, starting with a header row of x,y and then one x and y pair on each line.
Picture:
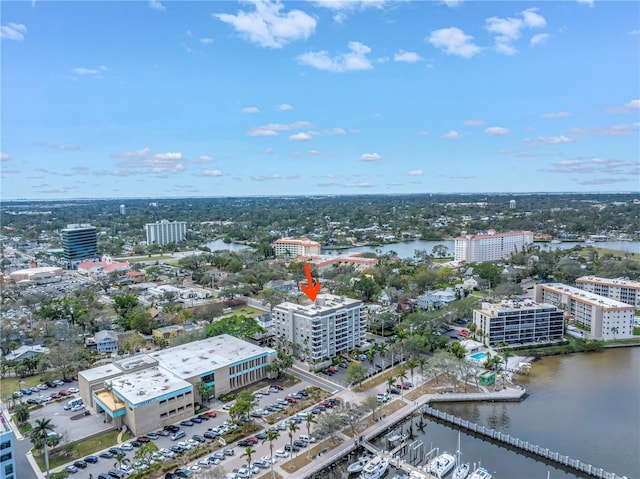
x,y
518,322
79,242
165,232
492,246
292,248
332,326
7,453
623,290
602,318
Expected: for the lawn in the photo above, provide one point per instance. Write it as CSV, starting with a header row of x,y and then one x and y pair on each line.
x,y
80,449
378,379
248,311
9,385
366,422
302,458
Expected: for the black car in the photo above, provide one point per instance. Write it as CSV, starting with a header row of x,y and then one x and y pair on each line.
x,y
177,449
116,450
303,393
300,443
106,455
81,464
261,435
244,443
182,473
394,391
163,433
50,384
169,475
288,448
116,473
171,428
186,423
91,459
198,437
32,401
210,434
204,417
67,380
102,475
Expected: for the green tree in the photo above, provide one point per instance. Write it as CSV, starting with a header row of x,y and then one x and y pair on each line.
x,y
439,250
40,435
489,272
272,435
123,305
402,374
145,453
371,403
458,350
412,364
141,321
366,288
22,413
248,453
355,373
390,381
121,458
239,326
293,427
309,419
205,391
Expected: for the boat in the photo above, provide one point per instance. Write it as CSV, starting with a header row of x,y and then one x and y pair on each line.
x,y
375,468
556,241
442,464
358,465
481,473
462,469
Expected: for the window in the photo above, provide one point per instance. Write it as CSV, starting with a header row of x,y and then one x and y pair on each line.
x,y
5,457
5,445
8,469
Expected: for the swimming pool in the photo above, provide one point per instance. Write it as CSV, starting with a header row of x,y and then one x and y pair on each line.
x,y
481,356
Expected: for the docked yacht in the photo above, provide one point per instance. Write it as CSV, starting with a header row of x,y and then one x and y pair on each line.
x,y
442,465
358,465
375,468
461,471
481,473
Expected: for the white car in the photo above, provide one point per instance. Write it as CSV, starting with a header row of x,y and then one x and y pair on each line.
x,y
185,445
73,390
195,468
126,447
77,407
280,453
204,463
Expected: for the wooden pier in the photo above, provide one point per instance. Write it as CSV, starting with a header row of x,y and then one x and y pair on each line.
x,y
516,443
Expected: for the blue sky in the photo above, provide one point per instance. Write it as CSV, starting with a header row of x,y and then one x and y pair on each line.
x,y
178,99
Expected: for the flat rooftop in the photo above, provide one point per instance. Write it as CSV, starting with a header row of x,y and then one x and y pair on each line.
x,y
135,362
147,384
516,305
620,282
100,372
191,359
325,303
587,297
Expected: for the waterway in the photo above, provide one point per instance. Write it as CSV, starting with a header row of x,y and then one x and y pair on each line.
x,y
586,406
220,245
406,249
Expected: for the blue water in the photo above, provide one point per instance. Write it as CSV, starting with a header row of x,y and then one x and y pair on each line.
x,y
479,356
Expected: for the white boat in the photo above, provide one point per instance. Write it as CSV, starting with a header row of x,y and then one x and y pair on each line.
x,y
461,471
442,465
481,473
375,468
358,465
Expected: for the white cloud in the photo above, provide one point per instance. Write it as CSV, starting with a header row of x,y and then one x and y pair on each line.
x,y
508,30
454,42
268,26
452,3
5,157
204,159
586,2
206,41
356,59
54,145
156,5
634,32
273,129
362,184
313,152
211,173
250,109
89,71
13,31
615,130
628,107
452,135
285,107
539,39
344,7
370,157
300,137
554,140
473,122
406,57
268,151
423,132
415,173
142,162
266,178
335,131
496,131
557,114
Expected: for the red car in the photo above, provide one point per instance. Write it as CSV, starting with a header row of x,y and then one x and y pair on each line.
x,y
291,400
253,439
332,369
62,392
55,395
211,413
402,386
143,439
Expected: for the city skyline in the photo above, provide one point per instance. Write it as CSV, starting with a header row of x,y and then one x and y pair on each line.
x,y
180,99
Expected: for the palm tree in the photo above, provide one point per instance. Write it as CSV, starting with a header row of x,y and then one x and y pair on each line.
x,y
309,419
248,452
293,427
39,435
121,458
422,363
371,354
272,435
390,381
402,374
412,364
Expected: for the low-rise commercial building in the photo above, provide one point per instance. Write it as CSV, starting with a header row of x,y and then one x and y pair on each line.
x,y
41,275
331,326
518,322
620,289
152,390
602,318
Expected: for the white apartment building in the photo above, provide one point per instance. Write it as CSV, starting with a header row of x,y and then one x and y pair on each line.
x,y
623,290
518,322
492,246
604,318
331,326
292,248
165,232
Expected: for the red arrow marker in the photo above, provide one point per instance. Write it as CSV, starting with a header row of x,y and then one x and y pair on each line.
x,y
310,289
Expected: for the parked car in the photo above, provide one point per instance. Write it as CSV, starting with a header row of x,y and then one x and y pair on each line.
x,y
280,453
151,435
91,459
77,407
63,392
80,463
198,437
127,446
244,443
186,423
211,413
106,455
203,417
71,469
73,390
211,434
228,452
171,428
196,420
